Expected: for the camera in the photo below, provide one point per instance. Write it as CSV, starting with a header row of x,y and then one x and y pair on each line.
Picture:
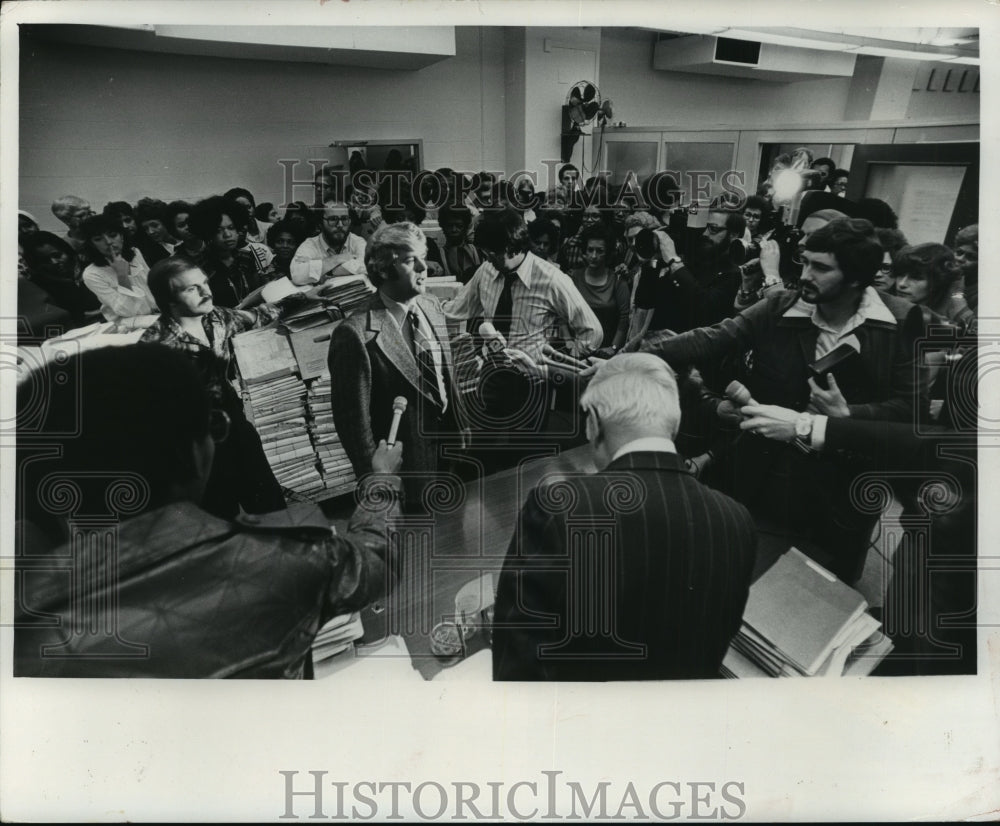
x,y
646,245
788,238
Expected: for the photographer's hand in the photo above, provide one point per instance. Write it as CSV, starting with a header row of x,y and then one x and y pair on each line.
x,y
667,248
770,259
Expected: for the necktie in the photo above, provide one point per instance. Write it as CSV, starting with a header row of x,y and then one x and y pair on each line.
x,y
503,315
431,381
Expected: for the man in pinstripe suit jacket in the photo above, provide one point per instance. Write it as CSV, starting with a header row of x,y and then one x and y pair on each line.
x,y
636,572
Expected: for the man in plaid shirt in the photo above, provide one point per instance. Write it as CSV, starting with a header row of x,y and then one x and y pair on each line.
x,y
190,322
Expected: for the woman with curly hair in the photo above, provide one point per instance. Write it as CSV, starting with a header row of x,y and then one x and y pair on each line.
x,y
233,273
926,274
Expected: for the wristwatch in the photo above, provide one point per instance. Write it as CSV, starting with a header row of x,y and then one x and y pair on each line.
x,y
671,261
804,428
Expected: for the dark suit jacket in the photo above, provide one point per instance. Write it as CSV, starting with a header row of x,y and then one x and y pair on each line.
x,y
809,494
644,551
783,348
370,365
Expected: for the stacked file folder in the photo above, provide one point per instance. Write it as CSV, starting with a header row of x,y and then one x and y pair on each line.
x,y
346,293
274,398
335,467
800,620
277,409
338,635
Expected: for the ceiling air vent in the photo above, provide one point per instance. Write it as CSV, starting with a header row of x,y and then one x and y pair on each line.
x,y
737,51
729,57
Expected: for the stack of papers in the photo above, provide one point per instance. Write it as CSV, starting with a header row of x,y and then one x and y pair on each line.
x,y
337,636
274,397
277,409
800,620
347,292
335,467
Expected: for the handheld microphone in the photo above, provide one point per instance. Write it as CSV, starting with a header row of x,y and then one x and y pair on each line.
x,y
492,338
738,394
398,406
494,343
562,359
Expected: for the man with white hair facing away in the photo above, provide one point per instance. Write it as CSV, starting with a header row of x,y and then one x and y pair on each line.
x,y
636,572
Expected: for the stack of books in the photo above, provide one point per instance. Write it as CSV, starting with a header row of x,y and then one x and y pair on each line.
x,y
800,620
335,467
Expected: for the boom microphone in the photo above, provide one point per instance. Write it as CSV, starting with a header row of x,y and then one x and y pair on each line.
x,y
398,407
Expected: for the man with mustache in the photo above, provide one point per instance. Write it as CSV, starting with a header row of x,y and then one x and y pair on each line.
x,y
787,333
335,251
191,322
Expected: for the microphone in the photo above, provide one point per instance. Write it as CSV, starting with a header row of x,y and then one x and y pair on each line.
x,y
492,337
494,343
738,394
562,359
398,406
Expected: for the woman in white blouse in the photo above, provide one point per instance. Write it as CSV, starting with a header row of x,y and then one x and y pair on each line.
x,y
117,275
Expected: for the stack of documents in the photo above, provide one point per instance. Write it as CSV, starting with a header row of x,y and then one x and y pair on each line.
x,y
337,636
335,467
346,293
277,409
274,397
800,620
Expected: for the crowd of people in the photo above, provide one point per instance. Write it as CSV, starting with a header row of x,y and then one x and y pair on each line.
x,y
753,372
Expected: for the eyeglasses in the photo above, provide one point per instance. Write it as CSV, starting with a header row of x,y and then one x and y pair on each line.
x,y
336,219
885,269
218,425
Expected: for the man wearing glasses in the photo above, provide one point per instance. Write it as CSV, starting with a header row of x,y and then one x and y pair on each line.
x,y
336,251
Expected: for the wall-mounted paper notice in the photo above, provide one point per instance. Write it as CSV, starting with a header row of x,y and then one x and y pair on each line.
x,y
923,196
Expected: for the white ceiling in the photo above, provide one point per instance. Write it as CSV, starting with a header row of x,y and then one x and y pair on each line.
x,y
959,45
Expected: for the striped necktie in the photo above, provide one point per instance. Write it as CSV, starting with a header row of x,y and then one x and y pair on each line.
x,y
431,381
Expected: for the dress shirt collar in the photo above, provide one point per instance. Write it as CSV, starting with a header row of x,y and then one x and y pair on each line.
x,y
523,269
397,309
871,308
648,444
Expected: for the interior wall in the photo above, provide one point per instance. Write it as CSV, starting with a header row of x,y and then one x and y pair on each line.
x,y
644,96
555,59
117,125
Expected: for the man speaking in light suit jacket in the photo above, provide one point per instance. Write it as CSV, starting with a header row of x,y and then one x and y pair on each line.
x,y
396,345
636,572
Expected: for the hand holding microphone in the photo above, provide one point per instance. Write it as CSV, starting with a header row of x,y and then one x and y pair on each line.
x,y
494,343
737,397
567,362
387,459
398,408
